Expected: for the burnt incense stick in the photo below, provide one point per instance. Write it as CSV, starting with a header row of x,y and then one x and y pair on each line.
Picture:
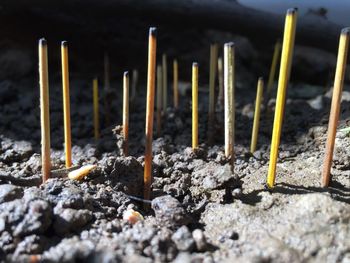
x,y
165,83
96,109
107,87
212,76
126,112
335,107
159,100
194,106
229,91
176,84
285,67
220,101
66,104
44,111
255,131
151,75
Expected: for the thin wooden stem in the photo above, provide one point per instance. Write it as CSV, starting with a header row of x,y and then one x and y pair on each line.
x,y
159,100
335,107
151,75
258,100
285,67
165,83
194,106
126,112
176,84
229,84
44,111
96,109
212,77
66,104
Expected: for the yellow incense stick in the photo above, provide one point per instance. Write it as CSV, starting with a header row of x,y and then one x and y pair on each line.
x,y
272,74
126,112
165,83
229,83
285,67
44,110
107,87
212,75
66,104
220,101
151,75
176,84
335,108
96,110
159,100
194,106
258,99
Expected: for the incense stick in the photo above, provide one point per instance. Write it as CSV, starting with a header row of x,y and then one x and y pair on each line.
x,y
165,83
255,130
220,101
229,80
194,105
107,87
335,108
44,110
96,109
126,112
152,44
66,104
135,77
176,84
159,100
285,67
212,75
272,74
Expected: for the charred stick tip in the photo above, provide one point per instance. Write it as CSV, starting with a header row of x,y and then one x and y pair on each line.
x,y
42,42
345,31
292,11
153,31
230,44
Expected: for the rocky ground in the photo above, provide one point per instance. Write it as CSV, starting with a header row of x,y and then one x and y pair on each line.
x,y
201,211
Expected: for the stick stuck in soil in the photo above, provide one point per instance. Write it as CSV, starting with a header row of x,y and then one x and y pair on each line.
x,y
229,80
66,104
135,78
159,100
220,101
212,77
176,84
96,110
107,86
276,54
285,67
151,75
194,106
335,107
44,111
258,100
165,83
126,112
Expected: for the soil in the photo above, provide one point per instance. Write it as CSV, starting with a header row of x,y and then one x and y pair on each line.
x,y
201,210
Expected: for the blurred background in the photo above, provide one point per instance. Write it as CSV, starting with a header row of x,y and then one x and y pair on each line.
x,y
186,28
